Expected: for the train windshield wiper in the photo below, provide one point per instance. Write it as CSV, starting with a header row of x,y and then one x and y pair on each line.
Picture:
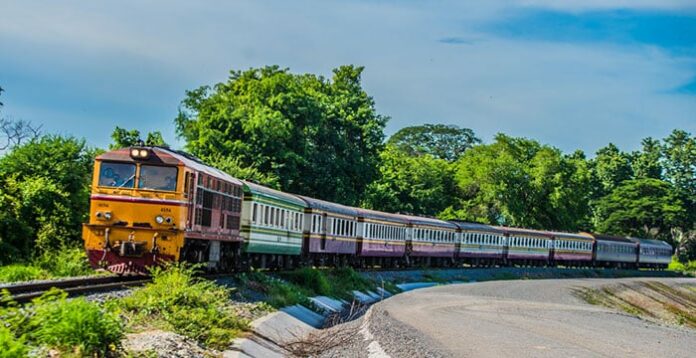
x,y
127,180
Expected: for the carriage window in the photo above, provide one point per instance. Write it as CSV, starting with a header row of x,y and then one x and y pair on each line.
x,y
157,178
119,175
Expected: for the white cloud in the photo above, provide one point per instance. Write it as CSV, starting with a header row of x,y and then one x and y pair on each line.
x,y
130,62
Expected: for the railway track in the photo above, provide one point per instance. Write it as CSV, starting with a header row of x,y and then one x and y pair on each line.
x,y
25,292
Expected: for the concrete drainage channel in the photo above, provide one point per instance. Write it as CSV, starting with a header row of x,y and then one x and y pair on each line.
x,y
271,333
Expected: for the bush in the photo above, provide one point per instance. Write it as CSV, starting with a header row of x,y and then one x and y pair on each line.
x,y
196,308
75,325
60,263
688,267
18,272
65,262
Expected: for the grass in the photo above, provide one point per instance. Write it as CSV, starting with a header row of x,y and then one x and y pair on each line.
x,y
296,286
688,268
62,263
73,327
178,301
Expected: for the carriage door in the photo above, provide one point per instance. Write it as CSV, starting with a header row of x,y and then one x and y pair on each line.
x,y
189,192
324,218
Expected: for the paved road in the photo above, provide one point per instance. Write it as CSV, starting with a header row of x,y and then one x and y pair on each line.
x,y
520,319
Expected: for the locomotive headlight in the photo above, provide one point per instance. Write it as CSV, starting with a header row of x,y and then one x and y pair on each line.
x,y
139,153
168,220
107,215
159,219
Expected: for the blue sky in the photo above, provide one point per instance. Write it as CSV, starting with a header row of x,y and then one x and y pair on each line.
x,y
574,74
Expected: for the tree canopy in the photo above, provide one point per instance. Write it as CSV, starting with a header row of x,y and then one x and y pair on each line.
x,y
641,207
44,195
520,182
319,137
123,138
446,142
411,184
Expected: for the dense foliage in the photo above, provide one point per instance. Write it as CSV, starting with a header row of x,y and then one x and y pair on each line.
x,y
44,196
446,142
314,136
520,182
126,138
420,184
178,301
73,327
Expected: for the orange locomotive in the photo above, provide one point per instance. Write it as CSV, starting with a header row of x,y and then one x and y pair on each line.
x,y
150,204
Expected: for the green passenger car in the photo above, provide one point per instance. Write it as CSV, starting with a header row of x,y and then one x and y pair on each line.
x,y
272,221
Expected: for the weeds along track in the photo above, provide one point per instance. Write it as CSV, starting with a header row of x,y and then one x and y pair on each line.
x,y
25,292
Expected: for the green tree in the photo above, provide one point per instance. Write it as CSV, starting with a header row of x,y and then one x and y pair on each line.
x,y
421,185
641,207
680,161
611,167
123,138
647,163
319,137
44,195
519,182
439,140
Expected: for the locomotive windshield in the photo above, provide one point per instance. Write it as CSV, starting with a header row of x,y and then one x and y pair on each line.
x,y
157,178
119,175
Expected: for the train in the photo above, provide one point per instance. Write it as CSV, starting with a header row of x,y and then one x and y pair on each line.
x,y
150,205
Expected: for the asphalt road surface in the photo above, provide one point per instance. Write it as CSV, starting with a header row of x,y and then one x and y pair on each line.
x,y
540,318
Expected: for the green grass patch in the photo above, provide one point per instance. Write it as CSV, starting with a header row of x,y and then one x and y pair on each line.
x,y
296,286
19,272
337,283
278,293
688,268
73,327
61,263
176,300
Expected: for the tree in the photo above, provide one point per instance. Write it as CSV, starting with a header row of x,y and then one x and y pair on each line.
x,y
641,207
15,132
123,138
319,137
648,162
441,141
680,161
519,182
611,167
421,185
44,195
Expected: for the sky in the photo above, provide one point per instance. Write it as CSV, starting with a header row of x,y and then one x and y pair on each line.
x,y
575,74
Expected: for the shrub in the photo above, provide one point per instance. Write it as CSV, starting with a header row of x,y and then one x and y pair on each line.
x,y
59,263
19,272
193,307
65,262
75,325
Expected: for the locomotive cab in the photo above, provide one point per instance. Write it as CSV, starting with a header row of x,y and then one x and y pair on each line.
x,y
137,209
